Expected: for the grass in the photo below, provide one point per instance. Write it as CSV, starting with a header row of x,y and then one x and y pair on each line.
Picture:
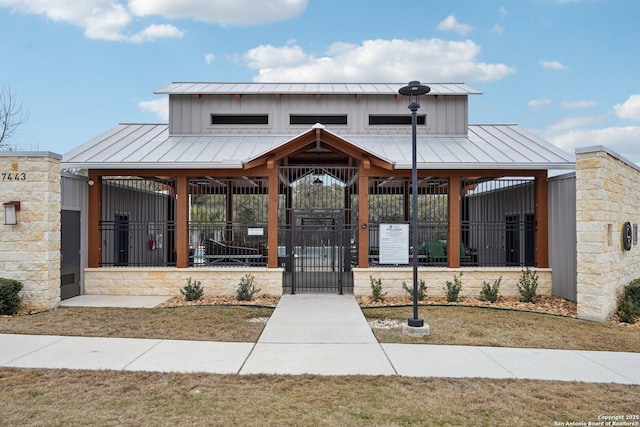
x,y
40,397
199,323
102,398
452,325
455,325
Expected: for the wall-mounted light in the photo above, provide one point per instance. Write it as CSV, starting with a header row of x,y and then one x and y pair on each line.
x,y
10,215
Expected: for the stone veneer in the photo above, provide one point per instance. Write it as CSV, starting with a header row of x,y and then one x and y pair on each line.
x,y
169,281
30,250
435,279
607,196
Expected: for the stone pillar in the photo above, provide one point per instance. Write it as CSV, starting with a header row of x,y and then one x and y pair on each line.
x,y
607,196
30,250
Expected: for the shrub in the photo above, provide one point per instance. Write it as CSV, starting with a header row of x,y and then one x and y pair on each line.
x,y
422,290
376,290
528,285
10,298
453,288
490,292
192,291
246,289
629,305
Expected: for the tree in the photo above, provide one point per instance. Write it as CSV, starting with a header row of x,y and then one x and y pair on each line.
x,y
12,116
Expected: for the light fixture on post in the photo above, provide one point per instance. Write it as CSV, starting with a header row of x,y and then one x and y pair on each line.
x,y
415,325
10,215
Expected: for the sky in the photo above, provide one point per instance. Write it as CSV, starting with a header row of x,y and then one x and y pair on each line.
x,y
567,70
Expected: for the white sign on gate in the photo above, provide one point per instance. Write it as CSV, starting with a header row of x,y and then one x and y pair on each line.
x,y
394,243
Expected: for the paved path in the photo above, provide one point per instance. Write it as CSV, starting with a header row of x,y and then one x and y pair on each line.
x,y
317,334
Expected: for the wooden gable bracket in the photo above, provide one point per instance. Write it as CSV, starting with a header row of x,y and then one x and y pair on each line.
x,y
358,96
237,96
318,96
196,96
271,162
277,96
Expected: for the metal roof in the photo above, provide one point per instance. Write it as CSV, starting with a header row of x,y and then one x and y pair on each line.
x,y
186,88
149,146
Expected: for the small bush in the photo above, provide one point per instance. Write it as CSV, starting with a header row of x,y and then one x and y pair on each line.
x,y
192,291
10,298
453,288
376,290
528,285
422,290
246,289
629,305
491,292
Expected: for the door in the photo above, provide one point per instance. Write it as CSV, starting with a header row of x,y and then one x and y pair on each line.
x,y
512,240
316,231
121,240
69,254
320,259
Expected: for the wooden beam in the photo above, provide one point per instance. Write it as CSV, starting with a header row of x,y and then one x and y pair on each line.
x,y
182,223
363,219
272,218
94,256
542,220
277,96
454,222
196,96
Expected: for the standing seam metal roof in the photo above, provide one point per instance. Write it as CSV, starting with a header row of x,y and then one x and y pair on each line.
x,y
193,88
146,146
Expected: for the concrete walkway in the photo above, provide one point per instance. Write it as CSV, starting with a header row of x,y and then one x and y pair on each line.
x,y
317,334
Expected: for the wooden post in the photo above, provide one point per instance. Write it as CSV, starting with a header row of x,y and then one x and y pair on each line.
x,y
272,217
94,256
363,219
453,251
182,222
542,220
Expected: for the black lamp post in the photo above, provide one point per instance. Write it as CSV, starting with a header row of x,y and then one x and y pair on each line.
x,y
413,90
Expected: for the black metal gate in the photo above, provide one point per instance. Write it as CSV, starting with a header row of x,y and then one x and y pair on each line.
x,y
317,230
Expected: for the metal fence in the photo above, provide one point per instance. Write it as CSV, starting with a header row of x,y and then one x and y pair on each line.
x,y
228,221
390,199
498,222
137,223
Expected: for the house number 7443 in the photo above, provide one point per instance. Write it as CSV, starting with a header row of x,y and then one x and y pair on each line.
x,y
13,176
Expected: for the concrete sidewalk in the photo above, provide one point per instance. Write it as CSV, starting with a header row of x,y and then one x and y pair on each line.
x,y
317,334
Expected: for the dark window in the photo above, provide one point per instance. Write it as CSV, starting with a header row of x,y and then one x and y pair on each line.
x,y
302,119
239,119
375,120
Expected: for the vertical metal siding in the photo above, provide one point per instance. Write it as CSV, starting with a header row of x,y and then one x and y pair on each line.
x,y
74,194
189,115
562,235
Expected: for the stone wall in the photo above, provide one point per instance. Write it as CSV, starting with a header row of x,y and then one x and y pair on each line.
x,y
607,196
435,279
30,250
169,281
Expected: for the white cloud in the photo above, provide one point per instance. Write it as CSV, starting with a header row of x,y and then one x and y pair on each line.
x,y
221,12
209,57
552,65
571,123
497,29
111,20
622,140
538,104
154,32
502,11
450,23
159,107
578,104
630,109
376,61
